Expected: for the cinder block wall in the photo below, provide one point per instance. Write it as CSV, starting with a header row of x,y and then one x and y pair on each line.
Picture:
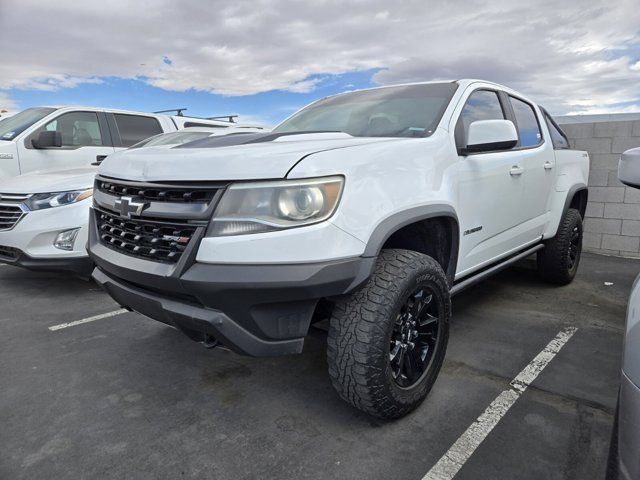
x,y
612,224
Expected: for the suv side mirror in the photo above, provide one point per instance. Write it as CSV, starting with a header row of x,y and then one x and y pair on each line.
x,y
490,136
47,139
629,168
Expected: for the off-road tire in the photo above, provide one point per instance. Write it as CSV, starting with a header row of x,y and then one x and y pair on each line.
x,y
360,333
554,262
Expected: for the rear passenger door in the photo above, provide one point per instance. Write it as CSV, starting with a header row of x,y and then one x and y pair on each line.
x,y
538,162
128,129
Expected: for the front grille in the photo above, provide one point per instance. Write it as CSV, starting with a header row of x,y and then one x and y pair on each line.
x,y
9,253
159,193
158,240
10,215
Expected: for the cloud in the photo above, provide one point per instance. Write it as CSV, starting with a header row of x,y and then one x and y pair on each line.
x,y
569,56
6,103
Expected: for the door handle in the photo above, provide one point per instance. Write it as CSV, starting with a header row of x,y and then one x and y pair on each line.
x,y
548,165
516,170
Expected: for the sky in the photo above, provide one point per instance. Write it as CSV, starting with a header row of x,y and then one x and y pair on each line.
x,y
264,59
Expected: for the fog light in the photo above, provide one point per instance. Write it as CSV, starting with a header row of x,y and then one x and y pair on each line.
x,y
66,239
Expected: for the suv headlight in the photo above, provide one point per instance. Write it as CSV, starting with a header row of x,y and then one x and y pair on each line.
x,y
40,201
259,207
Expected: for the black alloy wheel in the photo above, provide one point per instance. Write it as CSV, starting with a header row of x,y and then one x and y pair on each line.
x,y
414,338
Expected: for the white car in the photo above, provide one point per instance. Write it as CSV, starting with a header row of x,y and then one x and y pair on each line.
x,y
370,208
44,215
43,220
47,138
624,460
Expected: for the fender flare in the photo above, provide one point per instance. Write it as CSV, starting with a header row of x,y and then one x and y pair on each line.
x,y
578,187
396,221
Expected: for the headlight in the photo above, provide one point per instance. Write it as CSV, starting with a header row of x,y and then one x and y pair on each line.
x,y
40,201
268,206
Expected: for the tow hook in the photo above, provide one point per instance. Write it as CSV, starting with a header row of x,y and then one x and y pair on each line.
x,y
210,341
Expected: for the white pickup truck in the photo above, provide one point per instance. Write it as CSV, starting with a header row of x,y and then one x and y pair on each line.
x,y
53,138
370,208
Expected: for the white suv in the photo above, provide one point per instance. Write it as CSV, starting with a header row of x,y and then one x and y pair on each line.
x,y
369,208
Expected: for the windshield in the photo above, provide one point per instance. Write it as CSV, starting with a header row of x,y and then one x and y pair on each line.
x,y
403,111
173,138
11,127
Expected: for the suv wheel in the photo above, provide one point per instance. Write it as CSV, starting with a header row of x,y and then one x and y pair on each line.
x,y
387,341
558,260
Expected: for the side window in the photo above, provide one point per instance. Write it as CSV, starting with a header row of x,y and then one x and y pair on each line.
x,y
558,137
481,105
78,129
527,123
135,128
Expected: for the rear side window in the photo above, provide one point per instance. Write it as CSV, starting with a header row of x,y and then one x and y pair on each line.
x,y
558,137
481,105
527,123
135,128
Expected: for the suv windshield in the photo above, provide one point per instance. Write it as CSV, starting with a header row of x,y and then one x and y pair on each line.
x,y
403,111
11,127
173,138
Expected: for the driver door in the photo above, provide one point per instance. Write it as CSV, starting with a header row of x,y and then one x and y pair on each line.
x,y
85,136
490,190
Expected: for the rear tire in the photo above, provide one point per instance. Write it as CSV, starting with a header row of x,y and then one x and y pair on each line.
x,y
558,260
387,341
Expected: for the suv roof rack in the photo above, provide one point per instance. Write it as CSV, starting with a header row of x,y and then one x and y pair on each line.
x,y
229,118
178,112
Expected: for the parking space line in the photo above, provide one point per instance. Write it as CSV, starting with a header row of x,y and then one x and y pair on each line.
x,y
453,460
88,319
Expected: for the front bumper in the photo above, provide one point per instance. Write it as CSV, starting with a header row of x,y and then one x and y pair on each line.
x,y
81,266
257,310
35,233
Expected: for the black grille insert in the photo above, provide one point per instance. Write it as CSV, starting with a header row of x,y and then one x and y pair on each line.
x,y
157,240
10,215
159,193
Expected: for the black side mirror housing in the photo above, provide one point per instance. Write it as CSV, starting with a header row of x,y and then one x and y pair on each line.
x,y
47,139
99,160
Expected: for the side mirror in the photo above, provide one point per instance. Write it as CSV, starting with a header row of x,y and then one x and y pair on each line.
x,y
99,160
490,136
629,168
47,139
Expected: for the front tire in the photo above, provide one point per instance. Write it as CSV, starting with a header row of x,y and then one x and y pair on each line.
x,y
387,341
558,260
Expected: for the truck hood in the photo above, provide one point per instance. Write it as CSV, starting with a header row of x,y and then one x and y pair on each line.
x,y
232,157
49,181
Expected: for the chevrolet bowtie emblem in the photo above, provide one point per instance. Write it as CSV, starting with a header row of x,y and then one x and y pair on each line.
x,y
127,207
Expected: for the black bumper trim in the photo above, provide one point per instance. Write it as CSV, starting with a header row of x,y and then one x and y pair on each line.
x,y
81,266
191,318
